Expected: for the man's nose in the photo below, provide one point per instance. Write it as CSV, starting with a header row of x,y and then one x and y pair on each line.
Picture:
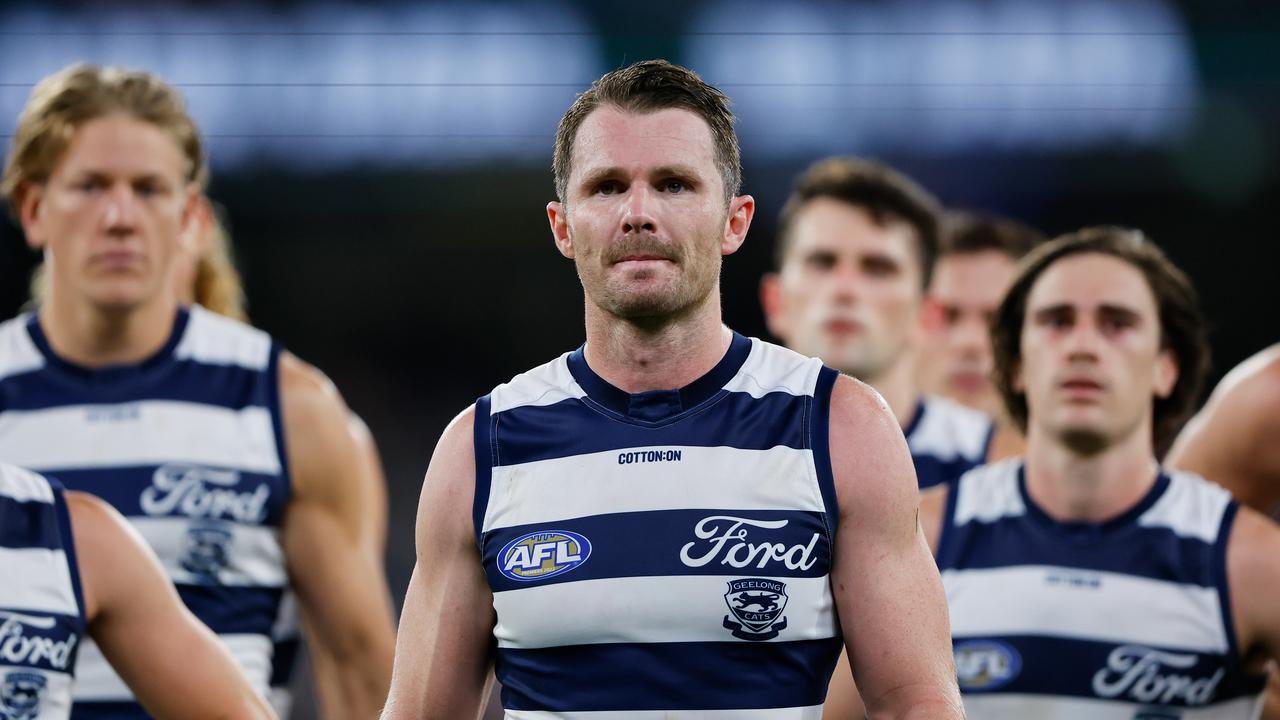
x,y
637,211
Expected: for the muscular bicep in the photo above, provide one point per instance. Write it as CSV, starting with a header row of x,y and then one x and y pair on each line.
x,y
175,666
892,607
442,649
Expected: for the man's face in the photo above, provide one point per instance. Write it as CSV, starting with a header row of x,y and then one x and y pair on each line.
x,y
644,217
1091,356
111,213
849,290
965,292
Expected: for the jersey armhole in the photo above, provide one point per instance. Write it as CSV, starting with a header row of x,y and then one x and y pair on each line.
x,y
69,546
942,554
1223,582
820,443
483,439
276,408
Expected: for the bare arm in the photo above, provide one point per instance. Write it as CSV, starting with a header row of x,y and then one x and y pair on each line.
x,y
843,699
371,482
442,652
1232,441
892,608
175,666
341,589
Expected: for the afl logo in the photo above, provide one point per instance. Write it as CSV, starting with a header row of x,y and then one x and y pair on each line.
x,y
986,664
543,554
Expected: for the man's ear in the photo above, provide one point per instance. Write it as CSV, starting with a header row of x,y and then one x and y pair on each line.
x,y
29,199
559,219
736,225
1165,375
775,318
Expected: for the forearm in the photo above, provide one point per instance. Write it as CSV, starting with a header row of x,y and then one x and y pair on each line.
x,y
919,701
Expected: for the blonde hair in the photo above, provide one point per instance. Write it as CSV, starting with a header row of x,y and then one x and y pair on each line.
x,y
75,95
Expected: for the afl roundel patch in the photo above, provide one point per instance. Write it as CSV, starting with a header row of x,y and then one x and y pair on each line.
x,y
543,554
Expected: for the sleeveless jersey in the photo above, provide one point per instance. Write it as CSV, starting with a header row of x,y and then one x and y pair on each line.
x,y
1118,620
663,553
947,440
188,446
41,606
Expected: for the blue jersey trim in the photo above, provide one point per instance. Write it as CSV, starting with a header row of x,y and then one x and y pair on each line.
x,y
943,553
276,408
668,676
284,660
69,548
574,427
1221,580
124,710
127,375
483,433
820,441
649,543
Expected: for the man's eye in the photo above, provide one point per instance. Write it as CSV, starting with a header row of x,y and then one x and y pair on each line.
x,y
673,186
609,187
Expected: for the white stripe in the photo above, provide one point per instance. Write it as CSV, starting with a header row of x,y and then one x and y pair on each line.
x,y
37,579
546,384
770,368
812,712
989,493
1191,507
1084,604
55,701
96,681
949,430
254,555
780,478
217,340
668,608
149,432
1016,706
23,485
18,354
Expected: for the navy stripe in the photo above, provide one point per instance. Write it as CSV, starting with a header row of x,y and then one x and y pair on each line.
x,y
277,425
580,426
667,676
932,470
1220,574
124,488
820,435
1155,553
30,524
108,711
649,544
482,437
284,659
1071,667
230,609
227,386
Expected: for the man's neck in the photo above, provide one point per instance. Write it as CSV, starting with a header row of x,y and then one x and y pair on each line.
x,y
897,385
1070,486
639,357
92,336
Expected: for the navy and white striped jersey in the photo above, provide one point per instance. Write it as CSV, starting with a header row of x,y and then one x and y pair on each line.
x,y
1118,620
42,618
188,446
947,440
663,553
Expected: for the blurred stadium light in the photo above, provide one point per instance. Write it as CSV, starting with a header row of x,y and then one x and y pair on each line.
x,y
942,76
328,85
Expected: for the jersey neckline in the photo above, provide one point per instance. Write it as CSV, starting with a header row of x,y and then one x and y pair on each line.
x,y
658,405
109,373
1089,530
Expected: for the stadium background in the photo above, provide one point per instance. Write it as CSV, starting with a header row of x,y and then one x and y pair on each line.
x,y
384,167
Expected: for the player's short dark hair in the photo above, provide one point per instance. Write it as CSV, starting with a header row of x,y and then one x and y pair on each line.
x,y
1182,325
648,86
965,232
886,194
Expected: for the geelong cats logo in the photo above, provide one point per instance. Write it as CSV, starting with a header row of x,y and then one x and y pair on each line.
x,y
757,603
207,550
20,695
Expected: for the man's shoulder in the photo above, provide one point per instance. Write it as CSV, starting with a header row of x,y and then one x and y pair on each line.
x,y
18,352
546,384
213,339
774,368
947,429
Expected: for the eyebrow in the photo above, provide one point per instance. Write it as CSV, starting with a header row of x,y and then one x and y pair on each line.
x,y
1105,308
598,175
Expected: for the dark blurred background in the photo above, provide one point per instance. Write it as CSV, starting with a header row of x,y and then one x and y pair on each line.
x,y
385,166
